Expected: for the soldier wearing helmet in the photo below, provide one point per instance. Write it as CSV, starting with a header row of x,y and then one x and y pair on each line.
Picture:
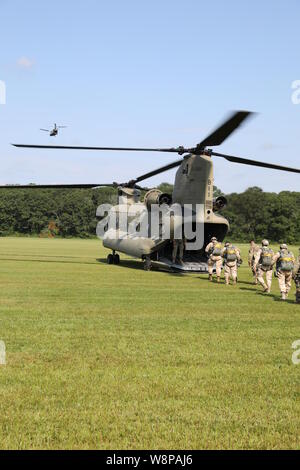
x,y
296,276
254,248
263,266
232,258
285,264
214,253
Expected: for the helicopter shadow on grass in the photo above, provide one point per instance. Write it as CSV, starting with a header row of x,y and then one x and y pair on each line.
x,y
138,265
131,264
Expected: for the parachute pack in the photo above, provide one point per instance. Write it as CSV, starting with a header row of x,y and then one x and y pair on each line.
x,y
286,261
217,250
266,258
230,254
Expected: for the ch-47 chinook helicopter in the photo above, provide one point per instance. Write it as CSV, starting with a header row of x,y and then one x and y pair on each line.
x,y
193,186
53,132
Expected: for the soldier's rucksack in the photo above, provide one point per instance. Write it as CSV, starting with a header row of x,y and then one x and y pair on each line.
x,y
217,250
266,258
286,261
230,254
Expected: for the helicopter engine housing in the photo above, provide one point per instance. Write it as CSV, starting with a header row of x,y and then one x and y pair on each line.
x,y
155,196
219,203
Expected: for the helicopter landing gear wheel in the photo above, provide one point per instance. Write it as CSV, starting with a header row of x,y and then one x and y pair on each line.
x,y
110,259
147,264
116,259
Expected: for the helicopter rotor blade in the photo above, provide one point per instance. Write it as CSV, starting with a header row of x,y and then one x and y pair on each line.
x,y
160,170
57,186
45,130
247,161
225,130
179,150
71,186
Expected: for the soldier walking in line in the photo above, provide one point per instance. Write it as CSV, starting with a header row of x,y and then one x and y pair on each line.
x,y
285,263
214,253
296,276
251,258
232,258
263,265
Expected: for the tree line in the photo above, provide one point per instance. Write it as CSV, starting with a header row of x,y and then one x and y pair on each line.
x,y
72,213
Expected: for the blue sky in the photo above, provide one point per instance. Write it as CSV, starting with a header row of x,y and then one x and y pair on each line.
x,y
141,73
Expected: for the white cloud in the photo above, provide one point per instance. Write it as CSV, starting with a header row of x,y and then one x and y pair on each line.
x,y
25,63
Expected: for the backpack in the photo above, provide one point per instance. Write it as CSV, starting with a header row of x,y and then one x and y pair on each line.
x,y
230,254
266,258
286,261
217,250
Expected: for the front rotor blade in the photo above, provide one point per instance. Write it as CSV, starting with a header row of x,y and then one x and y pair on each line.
x,y
56,186
225,130
179,150
158,171
246,161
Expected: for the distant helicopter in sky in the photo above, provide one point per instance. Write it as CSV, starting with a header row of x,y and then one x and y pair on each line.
x,y
53,132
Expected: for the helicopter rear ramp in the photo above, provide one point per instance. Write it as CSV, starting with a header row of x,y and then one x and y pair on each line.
x,y
186,267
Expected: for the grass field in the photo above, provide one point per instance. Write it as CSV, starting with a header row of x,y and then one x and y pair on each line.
x,y
105,357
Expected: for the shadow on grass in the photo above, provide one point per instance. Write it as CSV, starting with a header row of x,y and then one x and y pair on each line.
x,y
127,263
275,297
139,265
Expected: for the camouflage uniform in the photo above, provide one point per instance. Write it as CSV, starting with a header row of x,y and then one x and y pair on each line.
x,y
251,258
284,276
264,270
296,276
230,264
214,259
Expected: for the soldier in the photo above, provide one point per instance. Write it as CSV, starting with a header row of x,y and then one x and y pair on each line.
x,y
232,258
251,258
285,262
178,247
263,265
214,252
296,276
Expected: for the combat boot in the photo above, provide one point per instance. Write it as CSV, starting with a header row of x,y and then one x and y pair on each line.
x,y
283,296
218,280
210,278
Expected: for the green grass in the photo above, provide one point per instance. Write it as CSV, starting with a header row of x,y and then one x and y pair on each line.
x,y
105,357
